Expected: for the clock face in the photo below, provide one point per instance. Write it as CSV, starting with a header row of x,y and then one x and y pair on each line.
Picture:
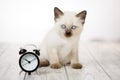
x,y
29,62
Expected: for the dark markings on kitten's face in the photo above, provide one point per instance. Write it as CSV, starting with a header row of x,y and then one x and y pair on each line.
x,y
57,13
68,33
82,16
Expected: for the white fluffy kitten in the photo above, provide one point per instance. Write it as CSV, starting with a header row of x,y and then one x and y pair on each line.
x,y
60,46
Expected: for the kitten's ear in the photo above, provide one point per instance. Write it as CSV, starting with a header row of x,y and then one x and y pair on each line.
x,y
57,13
82,16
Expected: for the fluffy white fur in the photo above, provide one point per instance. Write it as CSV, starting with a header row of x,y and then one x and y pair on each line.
x,y
59,49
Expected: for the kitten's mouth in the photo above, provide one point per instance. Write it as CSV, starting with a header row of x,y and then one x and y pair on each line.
x,y
68,33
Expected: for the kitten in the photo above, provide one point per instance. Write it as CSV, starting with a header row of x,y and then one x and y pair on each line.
x,y
60,46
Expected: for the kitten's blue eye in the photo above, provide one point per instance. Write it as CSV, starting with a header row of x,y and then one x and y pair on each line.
x,y
63,26
73,27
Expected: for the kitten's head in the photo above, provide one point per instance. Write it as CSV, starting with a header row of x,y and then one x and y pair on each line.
x,y
69,24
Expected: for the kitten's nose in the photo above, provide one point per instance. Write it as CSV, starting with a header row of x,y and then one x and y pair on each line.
x,y
68,33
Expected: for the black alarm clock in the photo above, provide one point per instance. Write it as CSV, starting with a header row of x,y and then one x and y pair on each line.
x,y
29,60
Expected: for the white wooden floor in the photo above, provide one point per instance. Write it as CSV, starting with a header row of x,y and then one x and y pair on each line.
x,y
101,61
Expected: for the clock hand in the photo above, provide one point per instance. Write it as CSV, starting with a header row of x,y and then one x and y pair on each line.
x,y
25,64
27,61
32,59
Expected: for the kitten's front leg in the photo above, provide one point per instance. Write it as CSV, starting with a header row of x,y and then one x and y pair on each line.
x,y
53,58
74,59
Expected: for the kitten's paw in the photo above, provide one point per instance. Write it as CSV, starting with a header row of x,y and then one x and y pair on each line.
x,y
56,66
44,63
76,65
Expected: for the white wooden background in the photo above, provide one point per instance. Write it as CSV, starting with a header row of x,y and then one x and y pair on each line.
x,y
101,61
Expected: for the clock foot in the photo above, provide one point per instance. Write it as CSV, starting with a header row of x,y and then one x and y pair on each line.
x,y
29,73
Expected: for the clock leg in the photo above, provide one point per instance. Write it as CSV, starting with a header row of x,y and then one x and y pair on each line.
x,y
29,73
20,72
25,76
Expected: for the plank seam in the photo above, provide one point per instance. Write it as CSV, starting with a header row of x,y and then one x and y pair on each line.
x,y
98,63
66,73
116,51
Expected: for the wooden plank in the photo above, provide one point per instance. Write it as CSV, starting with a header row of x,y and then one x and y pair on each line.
x,y
90,71
105,56
56,74
7,68
116,46
3,47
